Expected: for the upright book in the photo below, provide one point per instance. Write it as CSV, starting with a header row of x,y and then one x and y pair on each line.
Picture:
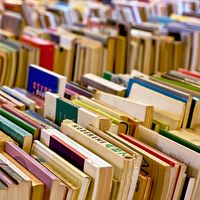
x,y
41,80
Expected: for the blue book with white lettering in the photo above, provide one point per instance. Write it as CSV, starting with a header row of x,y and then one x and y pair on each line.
x,y
41,80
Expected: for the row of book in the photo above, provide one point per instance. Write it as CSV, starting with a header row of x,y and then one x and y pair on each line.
x,y
93,143
159,45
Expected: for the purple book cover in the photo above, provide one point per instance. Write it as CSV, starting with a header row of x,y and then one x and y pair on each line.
x,y
32,165
67,152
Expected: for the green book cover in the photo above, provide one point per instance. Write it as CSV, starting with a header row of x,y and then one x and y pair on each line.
x,y
12,130
18,121
65,110
180,140
180,84
107,75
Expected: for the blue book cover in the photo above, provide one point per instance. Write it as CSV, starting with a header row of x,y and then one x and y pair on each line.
x,y
41,80
155,88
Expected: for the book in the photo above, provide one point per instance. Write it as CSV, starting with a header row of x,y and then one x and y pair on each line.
x,y
102,84
24,117
175,150
37,191
3,191
121,161
5,138
23,181
26,101
137,156
18,134
83,159
11,185
42,119
74,176
51,182
178,167
170,92
143,112
162,104
20,123
46,48
116,117
64,109
41,80
194,145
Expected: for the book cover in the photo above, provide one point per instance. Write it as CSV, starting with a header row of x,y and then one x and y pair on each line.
x,y
46,59
41,80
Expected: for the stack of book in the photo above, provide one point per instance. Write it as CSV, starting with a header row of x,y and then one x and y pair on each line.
x,y
92,142
74,126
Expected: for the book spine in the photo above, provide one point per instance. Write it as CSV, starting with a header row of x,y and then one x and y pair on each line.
x,y
67,152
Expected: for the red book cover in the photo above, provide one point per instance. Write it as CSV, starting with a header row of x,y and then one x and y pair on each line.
x,y
46,50
149,149
191,73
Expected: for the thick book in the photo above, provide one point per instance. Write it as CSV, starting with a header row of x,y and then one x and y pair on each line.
x,y
18,134
99,170
74,176
41,80
46,48
52,183
122,161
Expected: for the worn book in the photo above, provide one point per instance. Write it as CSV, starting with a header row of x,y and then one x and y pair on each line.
x,y
99,170
121,160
